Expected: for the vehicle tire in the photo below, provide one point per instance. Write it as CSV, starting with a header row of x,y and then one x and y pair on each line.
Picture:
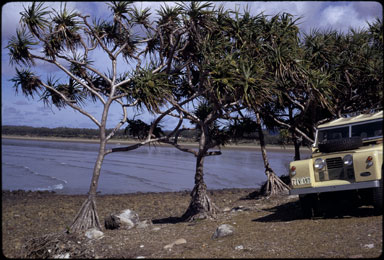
x,y
378,199
342,144
309,205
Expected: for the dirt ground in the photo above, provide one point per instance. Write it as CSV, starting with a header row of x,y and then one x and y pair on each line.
x,y
263,228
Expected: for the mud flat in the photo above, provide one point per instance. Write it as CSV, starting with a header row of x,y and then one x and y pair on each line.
x,y
263,228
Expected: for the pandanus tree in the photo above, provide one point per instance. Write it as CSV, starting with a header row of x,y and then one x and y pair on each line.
x,y
339,75
204,44
252,72
68,41
353,62
302,89
210,135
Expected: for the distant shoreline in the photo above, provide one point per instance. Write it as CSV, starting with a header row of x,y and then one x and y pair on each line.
x,y
253,147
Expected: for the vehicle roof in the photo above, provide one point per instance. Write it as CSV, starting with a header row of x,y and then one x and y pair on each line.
x,y
352,120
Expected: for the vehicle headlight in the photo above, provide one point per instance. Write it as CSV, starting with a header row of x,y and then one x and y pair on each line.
x,y
319,164
348,160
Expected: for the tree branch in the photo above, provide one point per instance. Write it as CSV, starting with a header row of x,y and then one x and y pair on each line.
x,y
70,103
294,128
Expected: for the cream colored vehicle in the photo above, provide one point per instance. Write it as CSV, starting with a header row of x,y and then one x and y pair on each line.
x,y
346,161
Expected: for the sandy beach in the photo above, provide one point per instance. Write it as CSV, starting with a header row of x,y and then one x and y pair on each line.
x,y
263,228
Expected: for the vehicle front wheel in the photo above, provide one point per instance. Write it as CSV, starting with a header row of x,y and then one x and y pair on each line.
x,y
378,199
309,205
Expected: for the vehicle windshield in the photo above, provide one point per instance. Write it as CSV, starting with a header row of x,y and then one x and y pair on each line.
x,y
332,134
368,131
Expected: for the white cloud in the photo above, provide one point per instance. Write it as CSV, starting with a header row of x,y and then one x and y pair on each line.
x,y
349,15
338,17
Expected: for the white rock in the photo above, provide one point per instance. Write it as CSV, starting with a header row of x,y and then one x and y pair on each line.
x,y
94,233
179,241
239,208
223,231
239,247
370,246
144,224
128,218
226,209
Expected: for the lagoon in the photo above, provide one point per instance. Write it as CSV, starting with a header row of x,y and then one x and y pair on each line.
x,y
66,168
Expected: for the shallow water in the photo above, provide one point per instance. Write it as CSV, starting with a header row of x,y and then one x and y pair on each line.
x,y
66,168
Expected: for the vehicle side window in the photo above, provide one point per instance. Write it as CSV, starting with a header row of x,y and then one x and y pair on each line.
x,y
369,130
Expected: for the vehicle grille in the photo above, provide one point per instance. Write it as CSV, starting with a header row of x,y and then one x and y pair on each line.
x,y
334,163
337,170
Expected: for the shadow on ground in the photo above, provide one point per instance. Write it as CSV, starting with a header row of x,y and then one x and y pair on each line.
x,y
291,211
169,220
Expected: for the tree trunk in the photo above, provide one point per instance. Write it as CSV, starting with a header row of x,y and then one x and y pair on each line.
x,y
274,184
296,143
87,217
201,206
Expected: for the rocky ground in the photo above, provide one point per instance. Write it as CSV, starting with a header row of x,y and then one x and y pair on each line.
x,y
262,228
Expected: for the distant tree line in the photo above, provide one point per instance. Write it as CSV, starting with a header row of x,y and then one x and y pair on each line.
x,y
50,132
90,133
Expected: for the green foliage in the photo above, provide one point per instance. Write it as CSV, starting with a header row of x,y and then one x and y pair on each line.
x,y
352,63
119,8
139,129
27,81
19,47
215,134
169,14
241,128
71,91
140,16
33,17
65,28
149,89
53,132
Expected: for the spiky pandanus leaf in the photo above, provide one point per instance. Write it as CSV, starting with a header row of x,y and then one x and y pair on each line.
x,y
72,91
65,28
148,89
140,16
34,18
20,47
27,81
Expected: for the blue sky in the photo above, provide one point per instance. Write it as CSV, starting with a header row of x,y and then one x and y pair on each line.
x,y
18,110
